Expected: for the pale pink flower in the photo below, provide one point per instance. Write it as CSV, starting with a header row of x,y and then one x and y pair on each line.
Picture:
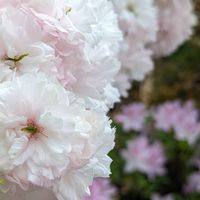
x,y
79,32
176,22
22,50
138,22
142,156
101,189
137,19
136,60
54,135
136,65
50,139
187,126
123,83
94,79
78,179
132,116
85,39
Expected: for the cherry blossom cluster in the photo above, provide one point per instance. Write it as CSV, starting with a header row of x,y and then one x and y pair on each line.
x,y
176,20
58,61
151,28
138,22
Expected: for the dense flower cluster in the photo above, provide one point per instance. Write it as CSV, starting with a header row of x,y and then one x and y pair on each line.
x,y
60,74
58,60
176,20
79,53
151,28
138,22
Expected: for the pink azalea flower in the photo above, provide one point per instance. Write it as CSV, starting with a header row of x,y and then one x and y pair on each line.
x,y
142,156
193,183
166,115
132,116
182,118
101,189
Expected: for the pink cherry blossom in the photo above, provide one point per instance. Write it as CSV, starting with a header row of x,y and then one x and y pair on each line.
x,y
31,55
138,22
86,48
50,139
89,61
138,19
58,61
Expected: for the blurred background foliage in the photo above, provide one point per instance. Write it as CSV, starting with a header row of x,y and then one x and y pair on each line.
x,y
174,77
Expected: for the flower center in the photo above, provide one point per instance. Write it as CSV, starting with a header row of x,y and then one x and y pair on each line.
x,y
68,10
31,128
2,181
131,8
12,62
